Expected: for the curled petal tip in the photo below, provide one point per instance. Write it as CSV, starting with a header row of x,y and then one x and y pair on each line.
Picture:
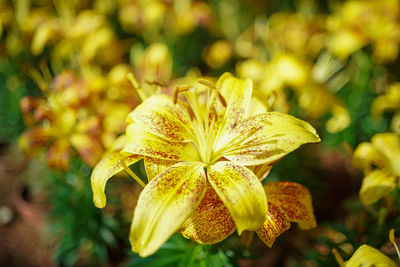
x,y
99,201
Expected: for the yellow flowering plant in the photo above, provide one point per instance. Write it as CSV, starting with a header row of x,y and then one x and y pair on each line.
x,y
356,24
205,157
61,121
389,102
313,85
380,162
366,255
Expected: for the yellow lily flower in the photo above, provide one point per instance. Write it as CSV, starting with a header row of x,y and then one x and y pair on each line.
x,y
380,162
191,159
369,256
389,102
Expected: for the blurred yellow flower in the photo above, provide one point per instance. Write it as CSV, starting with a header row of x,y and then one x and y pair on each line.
x,y
218,53
297,33
369,256
389,102
190,158
380,162
315,94
356,24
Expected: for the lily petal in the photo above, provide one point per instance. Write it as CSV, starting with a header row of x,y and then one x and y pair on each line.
x,y
366,155
160,116
156,166
150,145
237,95
277,223
104,170
369,256
375,185
211,222
164,204
256,107
295,200
388,102
266,138
241,192
389,145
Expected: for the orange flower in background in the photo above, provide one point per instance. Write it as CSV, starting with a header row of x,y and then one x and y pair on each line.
x,y
64,124
201,152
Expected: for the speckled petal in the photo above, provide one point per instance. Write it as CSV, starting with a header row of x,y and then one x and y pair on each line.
x,y
104,170
164,204
376,185
156,166
295,200
211,222
150,145
241,192
277,222
160,116
266,138
237,95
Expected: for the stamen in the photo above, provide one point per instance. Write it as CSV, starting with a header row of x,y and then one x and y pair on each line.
x,y
156,83
212,86
133,80
136,85
207,83
179,90
391,238
131,173
222,99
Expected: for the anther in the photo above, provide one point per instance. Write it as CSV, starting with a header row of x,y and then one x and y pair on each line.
x,y
212,86
206,83
156,83
178,90
221,99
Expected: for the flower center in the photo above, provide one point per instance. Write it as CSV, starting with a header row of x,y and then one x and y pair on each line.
x,y
204,118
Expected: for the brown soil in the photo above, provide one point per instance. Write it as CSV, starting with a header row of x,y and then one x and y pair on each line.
x,y
21,243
